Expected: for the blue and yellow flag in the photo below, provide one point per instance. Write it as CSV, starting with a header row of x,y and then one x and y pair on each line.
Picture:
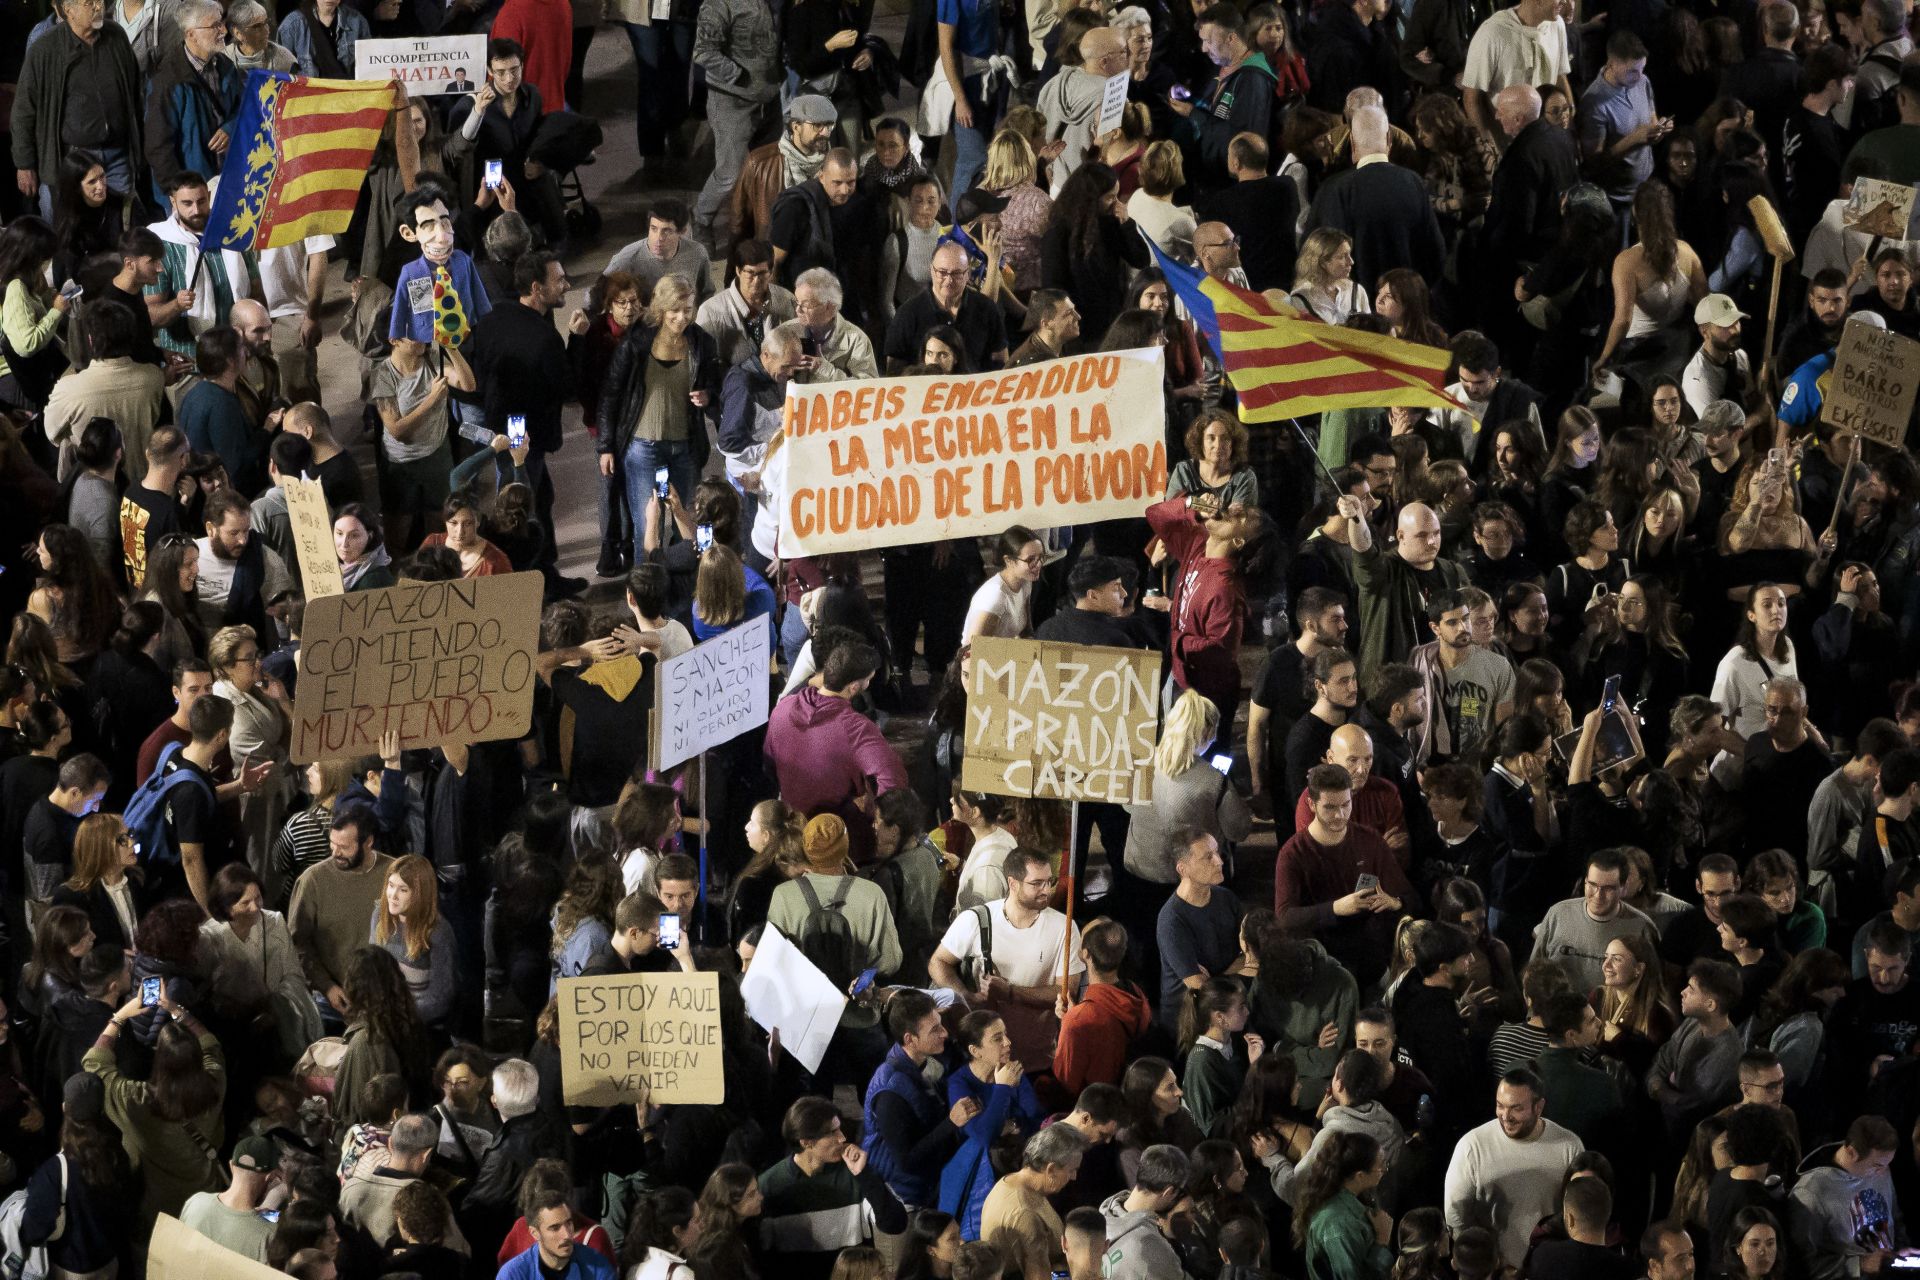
x,y
299,154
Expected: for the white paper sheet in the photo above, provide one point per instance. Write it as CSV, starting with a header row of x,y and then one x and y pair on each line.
x,y
786,992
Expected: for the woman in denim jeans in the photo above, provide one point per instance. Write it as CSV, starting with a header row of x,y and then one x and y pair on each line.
x,y
664,377
969,35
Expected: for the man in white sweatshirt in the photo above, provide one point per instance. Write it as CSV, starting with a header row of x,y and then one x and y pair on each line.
x,y
1506,1174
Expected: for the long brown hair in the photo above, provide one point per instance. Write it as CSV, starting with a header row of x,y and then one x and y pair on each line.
x,y
720,586
179,1087
1346,1154
423,911
1635,1011
1659,236
96,850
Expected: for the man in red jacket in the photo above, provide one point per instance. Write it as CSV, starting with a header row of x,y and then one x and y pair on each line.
x,y
1109,1016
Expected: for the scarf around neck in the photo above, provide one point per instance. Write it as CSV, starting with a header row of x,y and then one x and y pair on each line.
x,y
799,165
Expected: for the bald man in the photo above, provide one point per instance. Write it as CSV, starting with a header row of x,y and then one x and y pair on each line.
x,y
1541,161
259,371
1071,100
1396,585
1382,206
1376,801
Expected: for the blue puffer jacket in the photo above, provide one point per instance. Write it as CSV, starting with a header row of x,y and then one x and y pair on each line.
x,y
969,1175
900,1077
183,114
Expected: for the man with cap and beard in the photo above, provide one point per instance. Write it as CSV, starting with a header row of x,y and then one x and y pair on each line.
x,y
232,1218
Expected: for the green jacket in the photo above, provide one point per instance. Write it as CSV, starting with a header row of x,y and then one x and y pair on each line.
x,y
367,1056
1392,618
1341,1244
1329,994
1579,1097
1211,1083
40,99
172,1162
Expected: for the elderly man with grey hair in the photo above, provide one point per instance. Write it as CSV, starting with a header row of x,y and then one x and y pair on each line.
x,y
751,400
1540,163
252,46
367,1199
194,103
836,349
1383,207
1017,1218
525,1135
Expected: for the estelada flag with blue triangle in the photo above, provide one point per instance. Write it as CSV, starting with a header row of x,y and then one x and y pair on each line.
x,y
1284,364
297,159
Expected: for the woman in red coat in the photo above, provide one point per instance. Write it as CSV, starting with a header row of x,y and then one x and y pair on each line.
x,y
1218,552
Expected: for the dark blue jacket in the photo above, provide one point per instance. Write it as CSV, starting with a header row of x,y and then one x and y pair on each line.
x,y
913,1178
184,111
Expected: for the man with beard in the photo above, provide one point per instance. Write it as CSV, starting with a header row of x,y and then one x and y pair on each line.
x,y
332,902
213,284
796,156
1815,330
79,87
1470,689
1718,370
1507,1173
1339,882
239,575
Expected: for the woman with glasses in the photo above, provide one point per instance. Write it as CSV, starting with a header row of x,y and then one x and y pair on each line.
x,y
253,47
106,883
262,732
1003,606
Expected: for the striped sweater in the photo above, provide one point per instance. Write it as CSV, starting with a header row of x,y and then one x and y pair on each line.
x,y
806,1221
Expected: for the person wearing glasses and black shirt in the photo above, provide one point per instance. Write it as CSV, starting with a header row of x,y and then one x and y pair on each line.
x,y
949,301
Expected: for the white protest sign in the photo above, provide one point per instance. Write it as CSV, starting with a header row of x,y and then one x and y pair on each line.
x,y
1113,102
786,992
313,538
711,694
428,65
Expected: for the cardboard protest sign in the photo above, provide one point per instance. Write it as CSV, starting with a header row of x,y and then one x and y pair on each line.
x,y
1061,721
428,65
634,1036
1879,208
711,694
892,461
786,992
178,1252
1113,102
313,539
438,661
1871,390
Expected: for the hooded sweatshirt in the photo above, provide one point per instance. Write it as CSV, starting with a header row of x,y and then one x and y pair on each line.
x,y
825,754
1291,1022
1838,1218
1136,1247
1071,104
1095,1034
1209,607
1370,1118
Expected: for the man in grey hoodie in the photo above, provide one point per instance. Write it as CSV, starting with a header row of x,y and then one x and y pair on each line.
x,y
1071,100
1351,1106
1137,1244
1843,1213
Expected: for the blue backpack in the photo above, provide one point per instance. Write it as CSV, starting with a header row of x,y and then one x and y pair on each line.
x,y
146,812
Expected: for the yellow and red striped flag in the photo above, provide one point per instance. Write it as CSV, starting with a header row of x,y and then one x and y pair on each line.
x,y
1283,364
300,152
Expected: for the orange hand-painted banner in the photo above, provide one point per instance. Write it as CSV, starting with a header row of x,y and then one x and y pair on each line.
x,y
893,461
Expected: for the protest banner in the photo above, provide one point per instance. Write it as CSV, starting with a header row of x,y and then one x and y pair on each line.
x,y
711,694
1113,102
1878,208
313,538
635,1036
786,992
438,661
1061,721
1871,391
893,461
428,65
178,1252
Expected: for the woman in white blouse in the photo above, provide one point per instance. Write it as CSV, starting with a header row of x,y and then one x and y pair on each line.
x,y
250,955
1003,604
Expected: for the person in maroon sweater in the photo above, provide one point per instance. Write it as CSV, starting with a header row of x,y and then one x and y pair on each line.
x,y
1338,882
1376,801
1217,550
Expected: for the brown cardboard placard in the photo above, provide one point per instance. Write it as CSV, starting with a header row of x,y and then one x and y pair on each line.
x,y
1871,390
1879,208
1061,721
641,1037
438,661
178,1252
313,538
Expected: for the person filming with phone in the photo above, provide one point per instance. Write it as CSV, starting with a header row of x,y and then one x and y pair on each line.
x,y
1338,881
647,938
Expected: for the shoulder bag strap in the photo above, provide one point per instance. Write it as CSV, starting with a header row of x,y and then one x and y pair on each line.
x,y
459,1136
207,1149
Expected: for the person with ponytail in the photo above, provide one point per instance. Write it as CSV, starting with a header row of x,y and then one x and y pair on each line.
x,y
1343,1236
773,833
1215,1012
662,1230
995,1078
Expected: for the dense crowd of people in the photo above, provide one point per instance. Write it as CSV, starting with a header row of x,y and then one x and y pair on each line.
x,y
1580,703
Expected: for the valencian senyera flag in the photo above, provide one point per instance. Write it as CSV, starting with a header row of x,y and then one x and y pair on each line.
x,y
1284,364
298,156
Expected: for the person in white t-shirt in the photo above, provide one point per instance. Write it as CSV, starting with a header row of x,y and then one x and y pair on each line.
x,y
1527,45
1003,604
294,279
1027,946
981,876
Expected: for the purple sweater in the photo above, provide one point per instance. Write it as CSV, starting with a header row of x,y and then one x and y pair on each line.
x,y
826,755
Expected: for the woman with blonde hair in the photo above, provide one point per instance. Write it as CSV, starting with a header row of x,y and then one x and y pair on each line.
x,y
261,735
106,881
728,592
1186,794
408,925
1013,174
662,374
1151,206
1323,280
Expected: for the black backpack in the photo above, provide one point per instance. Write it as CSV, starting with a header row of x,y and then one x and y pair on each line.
x,y
826,938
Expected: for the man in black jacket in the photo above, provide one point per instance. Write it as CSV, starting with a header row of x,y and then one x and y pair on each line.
x,y
1098,587
1386,209
1261,210
526,1134
1240,99
1433,51
801,229
1523,210
521,366
1348,47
